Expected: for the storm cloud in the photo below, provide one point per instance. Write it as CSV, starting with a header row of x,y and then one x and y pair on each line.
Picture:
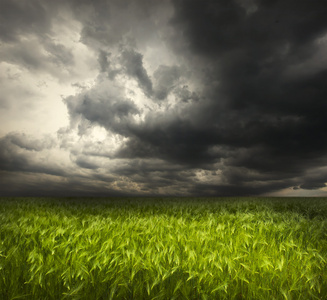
x,y
187,98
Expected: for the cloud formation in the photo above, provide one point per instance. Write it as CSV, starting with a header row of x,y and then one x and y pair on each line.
x,y
188,98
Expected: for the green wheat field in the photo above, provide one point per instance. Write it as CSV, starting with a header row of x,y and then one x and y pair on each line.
x,y
163,248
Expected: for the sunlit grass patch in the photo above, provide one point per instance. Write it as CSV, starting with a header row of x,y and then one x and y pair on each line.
x,y
163,249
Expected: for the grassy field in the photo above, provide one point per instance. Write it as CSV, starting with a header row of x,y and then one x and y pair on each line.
x,y
225,248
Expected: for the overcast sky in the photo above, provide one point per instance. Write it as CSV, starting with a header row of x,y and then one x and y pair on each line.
x,y
160,98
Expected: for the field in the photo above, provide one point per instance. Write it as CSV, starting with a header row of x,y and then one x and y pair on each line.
x,y
168,248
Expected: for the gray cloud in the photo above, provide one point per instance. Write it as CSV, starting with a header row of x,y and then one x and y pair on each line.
x,y
166,77
229,96
103,105
30,143
32,185
21,17
26,53
312,185
133,62
85,164
271,124
17,153
110,23
59,54
103,61
185,95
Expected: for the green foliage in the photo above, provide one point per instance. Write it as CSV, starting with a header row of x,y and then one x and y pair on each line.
x,y
170,248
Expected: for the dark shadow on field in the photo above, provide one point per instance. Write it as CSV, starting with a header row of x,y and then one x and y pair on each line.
x,y
308,207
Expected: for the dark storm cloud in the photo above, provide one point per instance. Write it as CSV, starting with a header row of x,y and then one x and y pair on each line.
x,y
271,120
173,140
17,153
275,123
217,27
239,190
314,180
251,91
155,174
33,185
312,185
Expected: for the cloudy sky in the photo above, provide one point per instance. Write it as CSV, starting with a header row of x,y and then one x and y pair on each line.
x,y
160,98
